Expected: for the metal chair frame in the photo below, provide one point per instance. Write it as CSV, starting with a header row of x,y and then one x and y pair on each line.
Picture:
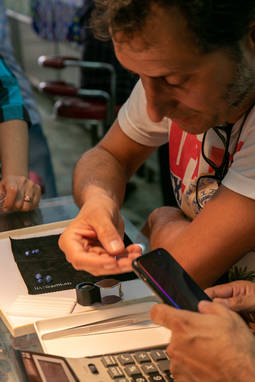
x,y
89,95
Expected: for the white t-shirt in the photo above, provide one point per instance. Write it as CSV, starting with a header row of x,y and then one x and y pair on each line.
x,y
186,161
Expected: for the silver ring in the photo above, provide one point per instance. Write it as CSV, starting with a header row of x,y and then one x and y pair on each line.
x,y
27,199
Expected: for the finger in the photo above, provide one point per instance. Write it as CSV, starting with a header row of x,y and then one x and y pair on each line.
x,y
14,187
133,250
86,232
122,264
99,250
239,303
18,203
222,291
72,244
125,264
101,262
72,240
110,238
125,261
94,263
2,194
11,194
208,307
170,317
37,195
109,235
29,194
2,191
27,203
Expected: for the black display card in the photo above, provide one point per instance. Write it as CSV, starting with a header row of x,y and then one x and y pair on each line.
x,y
44,268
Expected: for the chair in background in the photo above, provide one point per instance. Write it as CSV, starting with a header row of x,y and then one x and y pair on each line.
x,y
95,109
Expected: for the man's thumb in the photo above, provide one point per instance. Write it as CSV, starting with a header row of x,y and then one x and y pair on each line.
x,y
208,307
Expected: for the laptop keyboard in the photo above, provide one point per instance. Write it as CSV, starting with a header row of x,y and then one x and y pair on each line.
x,y
147,365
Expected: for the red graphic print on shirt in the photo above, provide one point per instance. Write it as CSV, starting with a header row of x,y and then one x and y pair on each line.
x,y
187,165
184,154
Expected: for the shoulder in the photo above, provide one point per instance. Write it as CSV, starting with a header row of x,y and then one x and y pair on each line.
x,y
135,122
240,177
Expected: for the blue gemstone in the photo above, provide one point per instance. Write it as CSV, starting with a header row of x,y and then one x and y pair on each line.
x,y
48,279
35,251
38,276
39,281
27,253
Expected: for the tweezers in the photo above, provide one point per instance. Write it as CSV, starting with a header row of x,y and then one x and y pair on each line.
x,y
91,328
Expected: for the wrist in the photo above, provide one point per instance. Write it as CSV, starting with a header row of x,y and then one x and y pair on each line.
x,y
92,192
8,174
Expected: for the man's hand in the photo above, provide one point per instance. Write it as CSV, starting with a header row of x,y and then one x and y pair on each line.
x,y
93,241
19,193
213,346
238,295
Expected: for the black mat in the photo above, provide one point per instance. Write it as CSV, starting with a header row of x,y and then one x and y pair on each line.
x,y
44,268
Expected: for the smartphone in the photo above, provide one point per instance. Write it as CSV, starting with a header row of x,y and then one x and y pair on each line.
x,y
168,280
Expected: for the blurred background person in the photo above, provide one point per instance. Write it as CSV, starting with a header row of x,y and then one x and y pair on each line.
x,y
17,191
40,164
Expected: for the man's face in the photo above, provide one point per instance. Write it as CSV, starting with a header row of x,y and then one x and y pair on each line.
x,y
196,90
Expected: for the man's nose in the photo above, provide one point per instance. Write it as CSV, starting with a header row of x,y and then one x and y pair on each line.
x,y
158,102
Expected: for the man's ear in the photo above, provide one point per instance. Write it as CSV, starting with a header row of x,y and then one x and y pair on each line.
x,y
249,39
252,34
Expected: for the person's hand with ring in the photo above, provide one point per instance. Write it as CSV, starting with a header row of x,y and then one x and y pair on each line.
x,y
19,193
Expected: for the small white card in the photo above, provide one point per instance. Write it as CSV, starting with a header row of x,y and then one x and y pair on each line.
x,y
41,306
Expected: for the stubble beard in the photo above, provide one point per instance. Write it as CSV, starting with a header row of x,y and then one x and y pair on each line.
x,y
238,95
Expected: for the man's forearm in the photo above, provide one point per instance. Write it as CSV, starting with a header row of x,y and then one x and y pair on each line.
x,y
216,239
98,171
14,148
165,225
